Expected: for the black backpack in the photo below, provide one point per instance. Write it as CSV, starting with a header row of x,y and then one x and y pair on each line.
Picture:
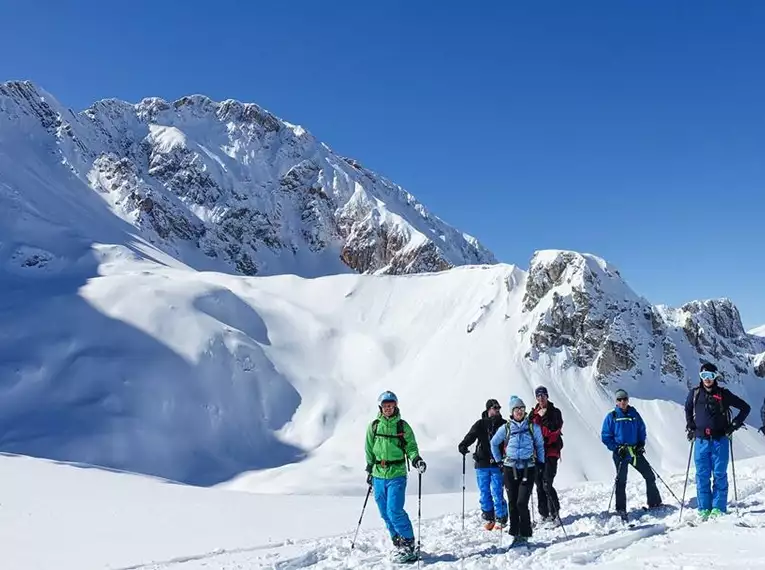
x,y
723,408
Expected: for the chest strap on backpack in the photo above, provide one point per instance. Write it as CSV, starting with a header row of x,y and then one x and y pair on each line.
x,y
401,443
534,454
385,463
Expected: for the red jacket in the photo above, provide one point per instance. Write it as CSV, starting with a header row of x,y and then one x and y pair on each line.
x,y
552,424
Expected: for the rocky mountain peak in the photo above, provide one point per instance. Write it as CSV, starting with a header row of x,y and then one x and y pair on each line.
x,y
234,182
579,305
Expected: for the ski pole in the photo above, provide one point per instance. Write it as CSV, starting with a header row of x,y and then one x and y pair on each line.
x,y
687,470
563,528
733,464
622,464
463,492
419,516
665,484
369,491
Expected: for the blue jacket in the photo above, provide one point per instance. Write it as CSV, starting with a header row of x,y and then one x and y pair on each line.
x,y
707,415
623,428
521,447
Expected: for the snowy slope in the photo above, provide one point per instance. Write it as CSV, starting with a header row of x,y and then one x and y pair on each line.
x,y
215,185
125,344
269,382
759,331
66,517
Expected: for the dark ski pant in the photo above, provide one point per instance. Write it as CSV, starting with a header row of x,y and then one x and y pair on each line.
x,y
547,496
518,495
644,468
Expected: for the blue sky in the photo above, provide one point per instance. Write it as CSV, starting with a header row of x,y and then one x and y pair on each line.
x,y
634,130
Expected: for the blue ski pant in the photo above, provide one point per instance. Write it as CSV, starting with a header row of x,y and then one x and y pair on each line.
x,y
492,492
711,458
389,496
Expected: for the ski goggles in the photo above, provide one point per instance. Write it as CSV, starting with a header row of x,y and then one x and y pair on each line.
x,y
707,375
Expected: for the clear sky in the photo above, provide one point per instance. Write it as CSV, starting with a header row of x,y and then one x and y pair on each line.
x,y
632,129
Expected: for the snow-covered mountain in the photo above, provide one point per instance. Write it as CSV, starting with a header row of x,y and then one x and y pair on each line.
x,y
759,331
207,181
203,377
116,350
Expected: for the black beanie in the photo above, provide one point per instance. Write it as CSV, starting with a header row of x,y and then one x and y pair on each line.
x,y
708,367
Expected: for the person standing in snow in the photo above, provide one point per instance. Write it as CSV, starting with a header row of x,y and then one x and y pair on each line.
x,y
707,418
624,434
390,443
524,453
762,418
550,420
487,471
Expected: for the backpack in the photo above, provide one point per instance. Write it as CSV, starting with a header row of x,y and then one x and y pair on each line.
x,y
723,408
531,432
398,435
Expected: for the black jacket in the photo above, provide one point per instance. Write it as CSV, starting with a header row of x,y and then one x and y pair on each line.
x,y
482,431
707,412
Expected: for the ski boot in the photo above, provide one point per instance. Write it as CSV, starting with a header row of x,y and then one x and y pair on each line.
x,y
406,552
622,515
519,541
488,516
500,523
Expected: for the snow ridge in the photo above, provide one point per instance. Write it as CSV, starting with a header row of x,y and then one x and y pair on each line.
x,y
230,180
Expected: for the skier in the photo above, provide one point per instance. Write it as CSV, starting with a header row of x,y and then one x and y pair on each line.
x,y
762,418
524,454
707,417
487,471
390,443
549,418
624,434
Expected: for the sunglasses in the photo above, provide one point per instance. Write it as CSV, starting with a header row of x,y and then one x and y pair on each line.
x,y
521,408
622,399
541,396
706,375
495,408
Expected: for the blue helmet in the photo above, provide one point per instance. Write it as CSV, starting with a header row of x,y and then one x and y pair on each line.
x,y
387,396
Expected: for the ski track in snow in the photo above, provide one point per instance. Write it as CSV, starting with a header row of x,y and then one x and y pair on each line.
x,y
592,538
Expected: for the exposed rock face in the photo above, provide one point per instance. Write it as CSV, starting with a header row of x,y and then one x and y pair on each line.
x,y
759,365
579,303
241,185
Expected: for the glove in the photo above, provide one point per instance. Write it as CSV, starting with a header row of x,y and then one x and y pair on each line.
x,y
640,448
463,449
689,433
622,451
540,465
732,427
369,475
419,464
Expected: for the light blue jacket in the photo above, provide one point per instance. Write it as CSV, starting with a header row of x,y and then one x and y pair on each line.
x,y
521,446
